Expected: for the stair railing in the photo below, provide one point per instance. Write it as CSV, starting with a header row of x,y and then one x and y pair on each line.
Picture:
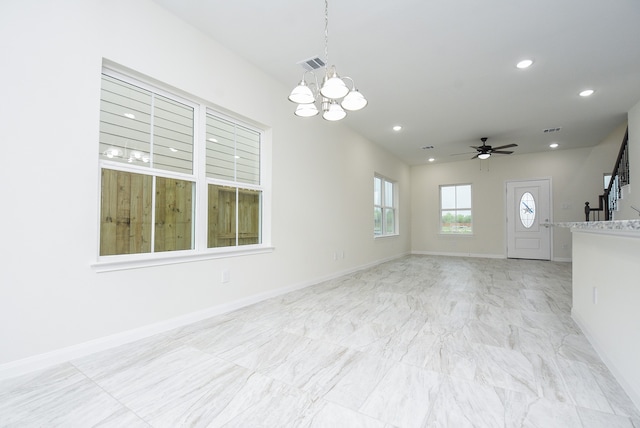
x,y
619,178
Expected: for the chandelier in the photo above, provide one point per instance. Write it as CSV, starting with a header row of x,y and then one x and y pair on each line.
x,y
337,95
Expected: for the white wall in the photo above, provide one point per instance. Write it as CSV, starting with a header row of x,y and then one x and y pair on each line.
x,y
50,297
611,321
625,212
576,176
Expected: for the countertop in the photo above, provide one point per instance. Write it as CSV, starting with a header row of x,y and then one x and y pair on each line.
x,y
614,227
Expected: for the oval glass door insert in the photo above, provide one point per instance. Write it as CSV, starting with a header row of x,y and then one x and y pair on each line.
x,y
527,210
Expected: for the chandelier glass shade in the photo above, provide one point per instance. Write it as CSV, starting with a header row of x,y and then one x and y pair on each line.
x,y
484,156
333,87
336,95
306,110
332,111
302,94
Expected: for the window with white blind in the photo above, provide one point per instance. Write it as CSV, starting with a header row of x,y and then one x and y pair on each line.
x,y
384,207
175,175
233,177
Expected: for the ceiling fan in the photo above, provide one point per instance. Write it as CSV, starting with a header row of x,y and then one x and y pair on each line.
x,y
485,151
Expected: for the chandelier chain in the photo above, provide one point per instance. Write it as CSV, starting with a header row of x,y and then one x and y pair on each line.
x,y
326,33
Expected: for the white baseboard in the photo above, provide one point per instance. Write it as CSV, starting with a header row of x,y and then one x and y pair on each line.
x,y
475,255
58,356
632,392
478,255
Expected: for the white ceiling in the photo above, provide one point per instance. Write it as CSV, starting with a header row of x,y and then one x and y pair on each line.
x,y
445,70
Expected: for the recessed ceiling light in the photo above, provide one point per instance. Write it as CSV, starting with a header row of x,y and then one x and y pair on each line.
x,y
431,159
587,92
553,145
525,63
130,115
397,128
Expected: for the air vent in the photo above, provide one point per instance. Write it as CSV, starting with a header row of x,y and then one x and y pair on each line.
x,y
427,147
312,63
551,130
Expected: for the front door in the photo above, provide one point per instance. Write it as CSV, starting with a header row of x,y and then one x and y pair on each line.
x,y
528,215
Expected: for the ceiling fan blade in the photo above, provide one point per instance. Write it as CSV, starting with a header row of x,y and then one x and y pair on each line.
x,y
502,152
476,156
504,147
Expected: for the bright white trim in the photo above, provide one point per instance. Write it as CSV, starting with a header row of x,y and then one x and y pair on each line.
x,y
111,263
391,235
58,356
475,255
478,255
383,207
456,209
630,389
202,109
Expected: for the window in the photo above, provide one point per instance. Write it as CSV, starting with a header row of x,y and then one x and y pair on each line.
x,y
233,177
159,154
455,209
384,207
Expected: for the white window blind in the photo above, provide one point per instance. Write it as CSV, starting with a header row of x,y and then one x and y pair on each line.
x,y
143,128
233,151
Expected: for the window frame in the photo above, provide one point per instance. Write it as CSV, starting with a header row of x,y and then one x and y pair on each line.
x,y
384,207
198,177
455,209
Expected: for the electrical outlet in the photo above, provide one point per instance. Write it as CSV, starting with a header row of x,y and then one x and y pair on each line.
x,y
226,276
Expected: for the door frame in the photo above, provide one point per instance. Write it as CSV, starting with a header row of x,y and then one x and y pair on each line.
x,y
507,213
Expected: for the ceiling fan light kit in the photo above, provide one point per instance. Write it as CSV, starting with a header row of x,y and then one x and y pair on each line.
x,y
336,97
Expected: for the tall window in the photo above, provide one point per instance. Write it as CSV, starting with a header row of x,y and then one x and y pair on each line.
x,y
455,209
159,154
384,207
233,177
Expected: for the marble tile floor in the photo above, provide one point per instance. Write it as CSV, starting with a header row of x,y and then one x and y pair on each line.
x,y
417,342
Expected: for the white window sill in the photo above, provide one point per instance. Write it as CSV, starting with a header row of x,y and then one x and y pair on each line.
x,y
390,235
462,235
113,263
